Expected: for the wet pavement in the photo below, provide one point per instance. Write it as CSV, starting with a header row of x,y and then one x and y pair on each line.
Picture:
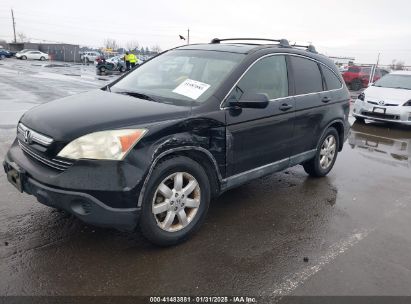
x,y
285,234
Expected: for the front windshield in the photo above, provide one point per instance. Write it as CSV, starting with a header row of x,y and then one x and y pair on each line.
x,y
394,81
180,76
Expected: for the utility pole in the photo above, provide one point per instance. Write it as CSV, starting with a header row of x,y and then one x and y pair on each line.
x,y
188,36
14,26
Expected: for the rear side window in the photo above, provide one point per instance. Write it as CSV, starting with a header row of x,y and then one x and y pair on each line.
x,y
332,81
307,76
268,75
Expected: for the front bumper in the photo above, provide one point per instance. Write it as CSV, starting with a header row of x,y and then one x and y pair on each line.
x,y
392,114
98,194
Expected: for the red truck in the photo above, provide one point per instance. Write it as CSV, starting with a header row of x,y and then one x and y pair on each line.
x,y
357,77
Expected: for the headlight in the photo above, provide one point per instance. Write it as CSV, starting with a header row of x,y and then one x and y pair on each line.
x,y
113,145
361,97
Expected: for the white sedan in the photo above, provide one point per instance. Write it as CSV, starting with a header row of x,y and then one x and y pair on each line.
x,y
36,55
388,99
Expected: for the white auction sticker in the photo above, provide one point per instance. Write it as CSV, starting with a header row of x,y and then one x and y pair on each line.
x,y
191,88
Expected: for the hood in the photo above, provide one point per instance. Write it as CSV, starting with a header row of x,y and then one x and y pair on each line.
x,y
388,95
70,117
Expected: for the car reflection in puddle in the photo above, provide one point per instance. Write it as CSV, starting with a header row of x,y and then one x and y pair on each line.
x,y
382,144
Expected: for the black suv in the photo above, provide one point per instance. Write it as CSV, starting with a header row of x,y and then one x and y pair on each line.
x,y
152,148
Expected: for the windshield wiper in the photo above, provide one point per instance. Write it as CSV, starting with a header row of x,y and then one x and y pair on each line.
x,y
137,95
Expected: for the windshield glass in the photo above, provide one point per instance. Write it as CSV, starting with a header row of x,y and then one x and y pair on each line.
x,y
394,81
180,76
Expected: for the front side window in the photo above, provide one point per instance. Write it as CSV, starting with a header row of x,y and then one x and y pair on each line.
x,y
307,76
180,76
267,76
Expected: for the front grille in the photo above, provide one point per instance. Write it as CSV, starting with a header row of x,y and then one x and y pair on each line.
x,y
381,115
30,135
54,163
384,105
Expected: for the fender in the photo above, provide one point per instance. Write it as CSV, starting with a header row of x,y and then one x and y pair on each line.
x,y
170,151
340,121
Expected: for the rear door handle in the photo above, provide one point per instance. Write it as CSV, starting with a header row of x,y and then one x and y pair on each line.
x,y
326,99
285,107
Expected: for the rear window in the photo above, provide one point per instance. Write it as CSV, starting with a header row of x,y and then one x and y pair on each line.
x,y
307,76
331,80
353,70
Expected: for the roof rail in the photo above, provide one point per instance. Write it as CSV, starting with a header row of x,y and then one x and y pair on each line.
x,y
282,42
310,48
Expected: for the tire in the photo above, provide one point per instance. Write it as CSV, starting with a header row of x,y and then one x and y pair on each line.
x,y
359,119
122,69
356,84
102,70
42,58
164,226
23,57
2,57
315,167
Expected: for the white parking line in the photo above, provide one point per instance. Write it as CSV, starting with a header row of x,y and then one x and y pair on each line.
x,y
289,283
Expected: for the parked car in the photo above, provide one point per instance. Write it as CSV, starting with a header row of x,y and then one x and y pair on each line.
x,y
357,77
29,54
89,56
152,148
113,64
5,54
388,99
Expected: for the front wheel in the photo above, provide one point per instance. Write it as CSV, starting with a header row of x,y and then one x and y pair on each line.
x,y
325,155
23,57
356,84
176,201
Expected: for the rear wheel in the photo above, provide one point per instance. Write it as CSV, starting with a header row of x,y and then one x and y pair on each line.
x,y
23,57
325,155
175,202
42,58
2,56
356,84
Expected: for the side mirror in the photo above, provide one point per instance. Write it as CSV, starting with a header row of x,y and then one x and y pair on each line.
x,y
252,100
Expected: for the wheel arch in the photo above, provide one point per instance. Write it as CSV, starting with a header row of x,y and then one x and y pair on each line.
x,y
198,154
339,126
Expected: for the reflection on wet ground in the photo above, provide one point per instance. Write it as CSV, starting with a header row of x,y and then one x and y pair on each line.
x,y
382,144
287,233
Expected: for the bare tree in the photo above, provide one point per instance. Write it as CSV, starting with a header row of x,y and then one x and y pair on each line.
x,y
132,45
156,49
110,44
397,65
22,37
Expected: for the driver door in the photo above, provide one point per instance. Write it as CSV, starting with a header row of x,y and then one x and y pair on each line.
x,y
261,137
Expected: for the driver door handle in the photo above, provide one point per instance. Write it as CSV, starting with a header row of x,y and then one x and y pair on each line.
x,y
285,107
326,99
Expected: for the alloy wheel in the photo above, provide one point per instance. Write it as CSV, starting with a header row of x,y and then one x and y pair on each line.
x,y
327,153
176,201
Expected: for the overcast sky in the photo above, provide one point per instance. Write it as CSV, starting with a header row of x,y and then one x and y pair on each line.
x,y
353,28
